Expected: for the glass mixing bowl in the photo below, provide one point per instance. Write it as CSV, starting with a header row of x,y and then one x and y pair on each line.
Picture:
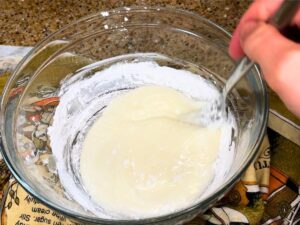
x,y
192,42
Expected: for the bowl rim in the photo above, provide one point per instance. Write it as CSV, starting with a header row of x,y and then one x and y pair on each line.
x,y
208,201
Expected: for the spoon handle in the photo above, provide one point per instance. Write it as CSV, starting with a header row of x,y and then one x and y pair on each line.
x,y
244,65
280,20
284,14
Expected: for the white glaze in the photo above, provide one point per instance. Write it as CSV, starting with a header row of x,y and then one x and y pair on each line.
x,y
80,100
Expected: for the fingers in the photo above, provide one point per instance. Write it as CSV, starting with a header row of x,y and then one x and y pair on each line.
x,y
263,43
266,46
278,57
235,49
260,10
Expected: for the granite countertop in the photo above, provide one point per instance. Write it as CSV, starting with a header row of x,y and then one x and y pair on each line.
x,y
25,22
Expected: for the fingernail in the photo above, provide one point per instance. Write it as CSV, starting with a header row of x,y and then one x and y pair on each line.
x,y
247,29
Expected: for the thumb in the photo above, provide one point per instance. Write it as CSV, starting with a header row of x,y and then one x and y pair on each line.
x,y
263,43
278,58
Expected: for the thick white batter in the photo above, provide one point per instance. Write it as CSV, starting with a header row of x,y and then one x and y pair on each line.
x,y
139,159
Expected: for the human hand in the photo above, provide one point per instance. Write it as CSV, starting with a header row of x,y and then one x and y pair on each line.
x,y
278,57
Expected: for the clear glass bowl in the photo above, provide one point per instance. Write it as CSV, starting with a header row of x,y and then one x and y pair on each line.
x,y
195,43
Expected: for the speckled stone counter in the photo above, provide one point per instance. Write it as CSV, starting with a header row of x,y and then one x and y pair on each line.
x,y
25,22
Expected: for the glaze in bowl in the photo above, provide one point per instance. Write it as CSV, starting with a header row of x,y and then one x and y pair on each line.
x,y
30,95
